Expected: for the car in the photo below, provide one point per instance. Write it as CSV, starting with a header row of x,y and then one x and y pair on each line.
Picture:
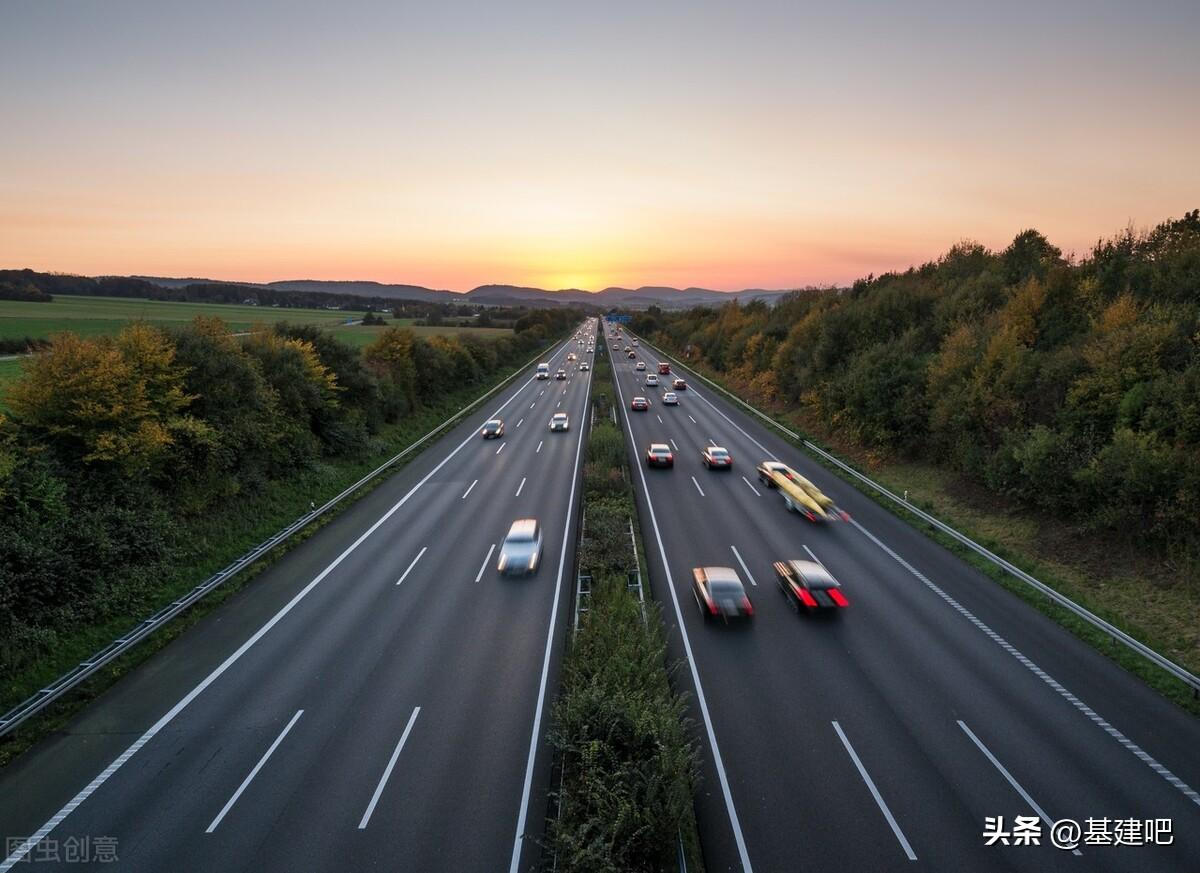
x,y
641,365
583,368
717,458
799,494
628,349
652,380
639,404
679,385
766,468
521,550
632,355
492,428
571,357
664,369
559,421
560,375
659,455
670,398
720,593
635,342
808,584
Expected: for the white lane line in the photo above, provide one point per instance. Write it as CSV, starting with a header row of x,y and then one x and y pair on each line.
x,y
519,839
519,487
499,450
531,405
249,776
424,549
521,422
1011,781
88,790
697,484
483,566
693,420
745,569
752,488
540,393
675,447
701,701
659,417
539,448
388,770
813,555
883,807
711,441
557,405
1137,751
469,487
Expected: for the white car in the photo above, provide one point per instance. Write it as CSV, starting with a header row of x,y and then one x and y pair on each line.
x,y
670,399
652,379
641,365
559,421
571,356
584,367
522,548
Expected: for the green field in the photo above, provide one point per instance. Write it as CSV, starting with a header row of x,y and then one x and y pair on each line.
x,y
95,316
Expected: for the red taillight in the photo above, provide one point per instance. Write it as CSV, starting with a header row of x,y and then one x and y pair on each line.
x,y
712,607
845,515
836,597
806,598
746,605
670,457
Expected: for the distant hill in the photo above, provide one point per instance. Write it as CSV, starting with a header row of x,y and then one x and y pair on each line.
x,y
503,295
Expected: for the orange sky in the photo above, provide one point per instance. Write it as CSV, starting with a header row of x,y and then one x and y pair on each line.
x,y
776,147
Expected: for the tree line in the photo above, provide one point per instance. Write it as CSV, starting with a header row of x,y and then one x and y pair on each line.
x,y
1070,386
114,446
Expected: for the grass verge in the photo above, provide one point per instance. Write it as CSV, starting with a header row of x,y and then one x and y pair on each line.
x,y
1123,598
629,763
213,541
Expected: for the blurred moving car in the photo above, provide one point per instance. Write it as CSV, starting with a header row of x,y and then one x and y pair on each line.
x,y
717,458
799,494
664,369
543,371
559,421
571,356
652,380
670,399
583,368
641,365
808,584
632,355
719,592
492,428
522,548
639,404
560,375
679,385
659,455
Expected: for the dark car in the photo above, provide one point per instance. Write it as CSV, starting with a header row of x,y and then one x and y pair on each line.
x,y
719,593
659,455
717,458
492,429
639,404
560,375
807,584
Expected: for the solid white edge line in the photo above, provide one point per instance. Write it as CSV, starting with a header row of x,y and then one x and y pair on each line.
x,y
1011,781
697,484
387,771
483,566
519,839
249,776
752,488
701,701
519,487
88,790
424,549
738,555
883,807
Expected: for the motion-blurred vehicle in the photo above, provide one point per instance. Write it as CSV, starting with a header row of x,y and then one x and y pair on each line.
x,y
652,380
632,355
571,356
679,385
720,593
639,404
641,365
521,550
635,342
670,398
807,584
659,455
799,494
559,421
560,375
543,371
664,369
583,368
717,458
492,428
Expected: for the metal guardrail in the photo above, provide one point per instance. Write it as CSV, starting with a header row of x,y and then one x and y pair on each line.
x,y
145,628
1114,632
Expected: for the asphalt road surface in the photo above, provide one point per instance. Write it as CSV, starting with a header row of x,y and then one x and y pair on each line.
x,y
376,700
882,737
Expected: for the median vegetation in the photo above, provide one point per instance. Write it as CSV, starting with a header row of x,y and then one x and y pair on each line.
x,y
133,466
628,763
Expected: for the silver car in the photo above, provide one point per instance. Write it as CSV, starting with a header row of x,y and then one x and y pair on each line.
x,y
521,551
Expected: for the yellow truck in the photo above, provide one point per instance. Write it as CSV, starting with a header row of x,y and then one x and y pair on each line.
x,y
799,494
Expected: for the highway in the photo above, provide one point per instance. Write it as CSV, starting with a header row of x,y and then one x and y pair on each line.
x,y
881,737
376,699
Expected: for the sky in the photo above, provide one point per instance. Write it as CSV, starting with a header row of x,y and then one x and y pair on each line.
x,y
720,145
